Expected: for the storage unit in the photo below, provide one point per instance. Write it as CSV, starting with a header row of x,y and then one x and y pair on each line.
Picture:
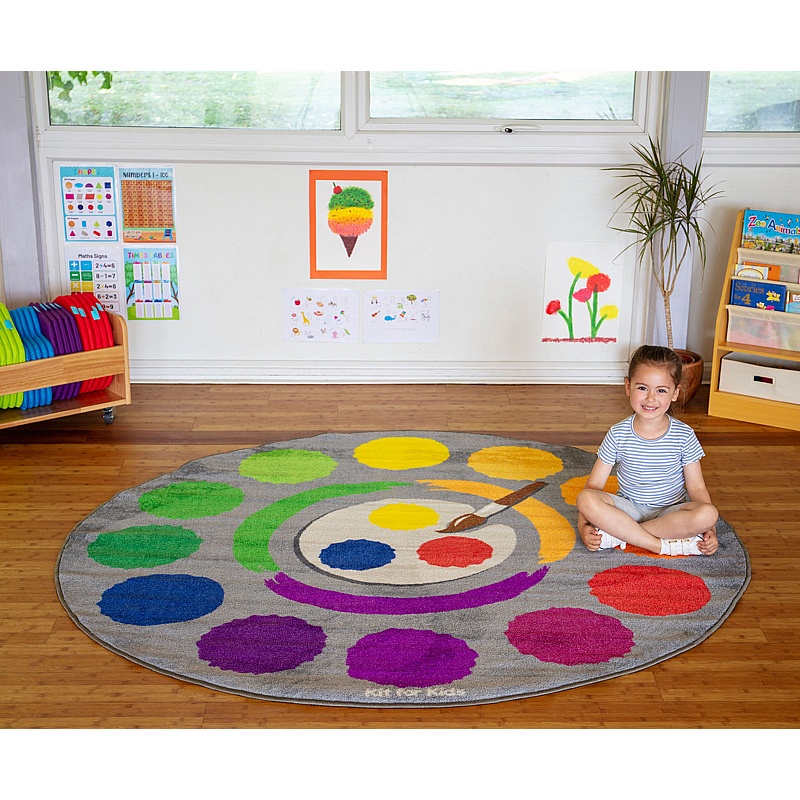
x,y
760,335
756,376
67,369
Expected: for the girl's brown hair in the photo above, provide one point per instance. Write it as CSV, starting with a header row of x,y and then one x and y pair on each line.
x,y
651,355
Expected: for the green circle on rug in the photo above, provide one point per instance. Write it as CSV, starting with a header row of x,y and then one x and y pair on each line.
x,y
191,500
287,466
143,546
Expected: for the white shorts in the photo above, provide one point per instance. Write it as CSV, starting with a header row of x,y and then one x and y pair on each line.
x,y
642,513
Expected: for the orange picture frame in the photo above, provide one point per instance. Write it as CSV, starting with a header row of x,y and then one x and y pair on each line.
x,y
352,244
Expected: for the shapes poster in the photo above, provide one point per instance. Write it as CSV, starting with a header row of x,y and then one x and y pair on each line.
x,y
97,270
148,204
398,316
582,293
347,225
320,315
89,204
151,283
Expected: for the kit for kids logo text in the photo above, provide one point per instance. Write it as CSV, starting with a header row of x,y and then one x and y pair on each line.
x,y
431,691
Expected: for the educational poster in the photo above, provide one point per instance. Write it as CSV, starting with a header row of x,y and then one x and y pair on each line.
x,y
582,293
88,203
347,226
151,283
97,270
148,204
320,315
400,316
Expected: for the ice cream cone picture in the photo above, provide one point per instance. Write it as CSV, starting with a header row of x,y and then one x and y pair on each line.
x,y
350,214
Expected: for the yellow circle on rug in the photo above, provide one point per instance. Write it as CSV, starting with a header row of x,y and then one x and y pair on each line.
x,y
515,463
401,452
403,517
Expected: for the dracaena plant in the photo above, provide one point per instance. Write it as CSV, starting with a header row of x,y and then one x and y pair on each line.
x,y
662,204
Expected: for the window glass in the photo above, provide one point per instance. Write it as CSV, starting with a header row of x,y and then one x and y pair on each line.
x,y
502,95
262,100
754,101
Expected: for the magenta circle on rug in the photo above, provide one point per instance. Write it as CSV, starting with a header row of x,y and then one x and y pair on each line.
x,y
331,570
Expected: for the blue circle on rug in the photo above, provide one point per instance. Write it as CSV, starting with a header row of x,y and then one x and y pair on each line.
x,y
359,554
161,599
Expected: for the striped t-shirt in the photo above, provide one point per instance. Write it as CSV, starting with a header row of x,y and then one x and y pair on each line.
x,y
650,471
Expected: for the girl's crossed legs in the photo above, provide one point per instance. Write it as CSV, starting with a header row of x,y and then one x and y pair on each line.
x,y
644,526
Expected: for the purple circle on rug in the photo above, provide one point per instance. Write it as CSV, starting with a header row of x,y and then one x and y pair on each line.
x,y
405,657
259,644
569,636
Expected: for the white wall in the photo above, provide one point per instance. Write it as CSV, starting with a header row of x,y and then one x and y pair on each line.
x,y
477,234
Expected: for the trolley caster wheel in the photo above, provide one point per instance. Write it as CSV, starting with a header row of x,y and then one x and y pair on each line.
x,y
108,415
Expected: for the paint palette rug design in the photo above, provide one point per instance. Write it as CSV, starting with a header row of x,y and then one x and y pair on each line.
x,y
409,568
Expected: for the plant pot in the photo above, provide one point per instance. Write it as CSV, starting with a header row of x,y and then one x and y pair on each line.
x,y
692,375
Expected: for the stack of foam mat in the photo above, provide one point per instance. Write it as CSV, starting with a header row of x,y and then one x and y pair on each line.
x,y
11,352
71,324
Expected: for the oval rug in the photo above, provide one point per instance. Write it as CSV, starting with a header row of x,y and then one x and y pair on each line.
x,y
350,569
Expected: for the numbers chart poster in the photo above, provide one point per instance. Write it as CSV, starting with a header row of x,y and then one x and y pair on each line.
x,y
397,316
320,315
148,204
151,283
89,204
97,270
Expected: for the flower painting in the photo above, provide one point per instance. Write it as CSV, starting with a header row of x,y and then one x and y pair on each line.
x,y
581,300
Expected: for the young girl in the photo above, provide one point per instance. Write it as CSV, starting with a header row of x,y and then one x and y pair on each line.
x,y
663,504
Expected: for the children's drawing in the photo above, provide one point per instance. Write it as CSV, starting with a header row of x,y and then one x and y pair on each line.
x,y
350,214
347,235
580,300
320,315
401,316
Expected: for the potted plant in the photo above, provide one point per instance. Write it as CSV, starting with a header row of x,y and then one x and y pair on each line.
x,y
662,204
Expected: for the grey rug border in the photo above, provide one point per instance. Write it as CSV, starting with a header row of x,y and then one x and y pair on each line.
x,y
393,705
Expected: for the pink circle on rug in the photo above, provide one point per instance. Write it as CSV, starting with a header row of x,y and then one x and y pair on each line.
x,y
455,551
652,591
569,636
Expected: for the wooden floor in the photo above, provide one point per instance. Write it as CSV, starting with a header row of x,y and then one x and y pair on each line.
x,y
54,473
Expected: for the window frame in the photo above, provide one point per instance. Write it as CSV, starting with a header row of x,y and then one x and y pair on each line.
x,y
361,139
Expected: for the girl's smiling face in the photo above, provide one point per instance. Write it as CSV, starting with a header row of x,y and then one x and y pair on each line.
x,y
651,390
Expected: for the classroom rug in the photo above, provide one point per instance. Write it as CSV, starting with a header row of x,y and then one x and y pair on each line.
x,y
383,569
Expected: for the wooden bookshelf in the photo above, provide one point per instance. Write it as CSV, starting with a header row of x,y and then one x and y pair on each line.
x,y
70,368
738,406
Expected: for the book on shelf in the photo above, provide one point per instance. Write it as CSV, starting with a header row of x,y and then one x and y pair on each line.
x,y
771,231
793,301
766,295
764,272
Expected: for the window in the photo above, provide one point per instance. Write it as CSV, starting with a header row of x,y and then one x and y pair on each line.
x,y
502,95
256,100
753,102
293,101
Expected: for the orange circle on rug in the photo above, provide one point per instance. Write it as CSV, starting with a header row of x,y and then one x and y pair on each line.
x,y
651,591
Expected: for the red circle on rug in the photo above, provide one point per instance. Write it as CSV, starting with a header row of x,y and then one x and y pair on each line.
x,y
652,591
455,551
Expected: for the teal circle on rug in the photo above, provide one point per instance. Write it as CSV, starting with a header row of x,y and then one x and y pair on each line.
x,y
332,570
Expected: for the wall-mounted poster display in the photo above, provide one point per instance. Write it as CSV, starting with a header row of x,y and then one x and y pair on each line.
x,y
151,283
89,204
97,270
320,315
400,316
148,204
347,230
582,293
